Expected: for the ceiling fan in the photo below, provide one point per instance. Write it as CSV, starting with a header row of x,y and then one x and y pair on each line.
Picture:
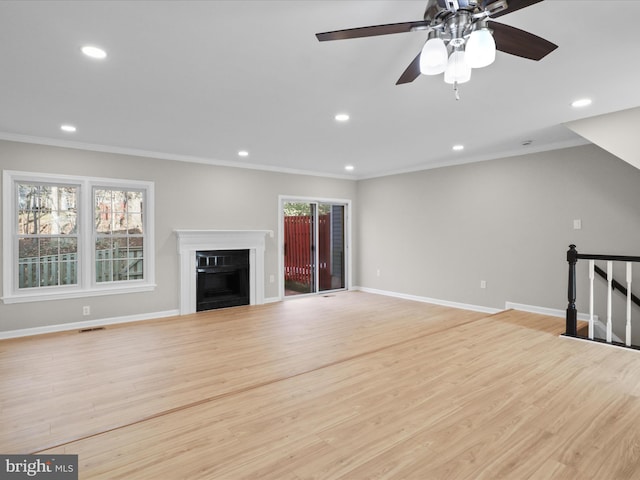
x,y
461,36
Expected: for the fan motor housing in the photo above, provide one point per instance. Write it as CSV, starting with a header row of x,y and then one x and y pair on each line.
x,y
437,10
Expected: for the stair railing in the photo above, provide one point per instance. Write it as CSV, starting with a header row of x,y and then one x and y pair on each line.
x,y
572,314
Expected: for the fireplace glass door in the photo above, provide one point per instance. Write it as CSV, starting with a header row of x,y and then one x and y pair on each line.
x,y
314,247
222,279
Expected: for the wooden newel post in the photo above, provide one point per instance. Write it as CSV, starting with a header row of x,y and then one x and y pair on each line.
x,y
572,313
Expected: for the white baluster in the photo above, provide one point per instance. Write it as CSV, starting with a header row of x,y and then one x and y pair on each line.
x,y
628,333
609,290
591,277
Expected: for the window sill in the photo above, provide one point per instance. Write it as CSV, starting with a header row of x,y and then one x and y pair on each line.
x,y
68,294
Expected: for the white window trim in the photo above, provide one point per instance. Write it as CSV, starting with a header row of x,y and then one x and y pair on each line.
x,y
87,286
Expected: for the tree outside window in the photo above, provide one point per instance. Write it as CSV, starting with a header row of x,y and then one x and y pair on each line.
x,y
47,235
119,235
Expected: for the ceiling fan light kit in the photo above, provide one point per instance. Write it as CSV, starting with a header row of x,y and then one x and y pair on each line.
x,y
458,70
481,48
461,36
434,56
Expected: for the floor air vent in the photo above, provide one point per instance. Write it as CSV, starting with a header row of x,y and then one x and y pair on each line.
x,y
93,329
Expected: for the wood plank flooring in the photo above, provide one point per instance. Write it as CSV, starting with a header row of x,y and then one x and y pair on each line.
x,y
347,386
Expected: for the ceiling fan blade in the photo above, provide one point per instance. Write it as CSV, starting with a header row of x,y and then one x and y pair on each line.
x,y
372,31
520,43
411,73
513,5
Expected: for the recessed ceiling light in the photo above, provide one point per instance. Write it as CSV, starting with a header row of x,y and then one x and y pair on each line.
x,y
68,128
94,52
243,153
349,168
457,148
342,117
583,102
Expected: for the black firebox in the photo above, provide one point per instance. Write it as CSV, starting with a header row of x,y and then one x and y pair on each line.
x,y
223,279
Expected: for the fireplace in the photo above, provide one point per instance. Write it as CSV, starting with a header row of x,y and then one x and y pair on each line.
x,y
222,279
189,242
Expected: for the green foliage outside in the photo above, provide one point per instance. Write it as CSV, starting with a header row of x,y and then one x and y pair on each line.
x,y
302,209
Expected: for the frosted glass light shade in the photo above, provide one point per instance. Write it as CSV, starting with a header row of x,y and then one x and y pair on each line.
x,y
481,49
457,69
433,58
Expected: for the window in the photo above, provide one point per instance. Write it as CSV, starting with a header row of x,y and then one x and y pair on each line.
x,y
67,237
47,235
119,235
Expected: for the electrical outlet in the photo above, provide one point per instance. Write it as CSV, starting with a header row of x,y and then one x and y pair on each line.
x,y
272,278
86,310
483,284
378,272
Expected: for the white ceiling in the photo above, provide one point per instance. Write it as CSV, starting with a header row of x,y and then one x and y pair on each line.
x,y
201,80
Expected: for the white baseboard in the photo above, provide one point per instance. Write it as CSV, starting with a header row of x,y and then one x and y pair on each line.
x,y
601,328
26,332
551,312
272,300
435,301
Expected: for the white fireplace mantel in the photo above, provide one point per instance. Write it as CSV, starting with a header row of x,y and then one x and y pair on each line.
x,y
191,241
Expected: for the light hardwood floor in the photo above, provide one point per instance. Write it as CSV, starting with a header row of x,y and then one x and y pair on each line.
x,y
348,386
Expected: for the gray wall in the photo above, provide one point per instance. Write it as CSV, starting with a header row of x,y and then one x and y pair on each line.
x,y
189,196
435,233
438,233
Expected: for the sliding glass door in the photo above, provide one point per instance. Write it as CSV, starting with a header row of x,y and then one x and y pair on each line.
x,y
314,235
299,248
331,247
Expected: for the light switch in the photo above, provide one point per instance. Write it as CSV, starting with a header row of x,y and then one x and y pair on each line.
x,y
577,224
